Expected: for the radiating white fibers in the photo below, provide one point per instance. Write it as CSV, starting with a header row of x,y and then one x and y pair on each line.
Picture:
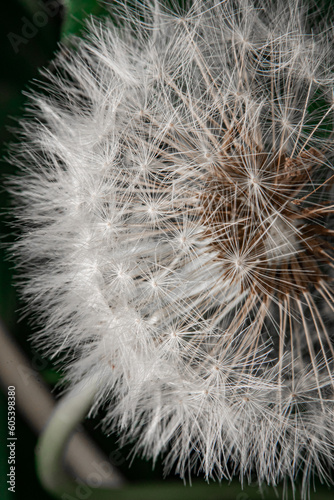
x,y
176,207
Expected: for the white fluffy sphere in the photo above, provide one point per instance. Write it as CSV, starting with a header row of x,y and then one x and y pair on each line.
x,y
176,207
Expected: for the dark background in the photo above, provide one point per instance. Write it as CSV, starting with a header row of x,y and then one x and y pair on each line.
x,y
28,42
26,47
19,62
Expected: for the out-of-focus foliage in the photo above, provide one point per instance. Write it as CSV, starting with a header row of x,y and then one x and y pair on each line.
x,y
31,30
77,11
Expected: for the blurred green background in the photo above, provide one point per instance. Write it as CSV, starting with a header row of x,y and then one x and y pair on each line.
x,y
30,32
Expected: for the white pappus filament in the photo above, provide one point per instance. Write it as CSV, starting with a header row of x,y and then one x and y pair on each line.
x,y
177,209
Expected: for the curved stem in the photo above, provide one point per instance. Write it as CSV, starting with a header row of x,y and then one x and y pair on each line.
x,y
36,404
93,476
50,449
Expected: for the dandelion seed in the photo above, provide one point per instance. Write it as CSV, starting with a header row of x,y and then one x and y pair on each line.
x,y
177,207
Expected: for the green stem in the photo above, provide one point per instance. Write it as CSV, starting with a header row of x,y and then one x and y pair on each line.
x,y
52,443
50,451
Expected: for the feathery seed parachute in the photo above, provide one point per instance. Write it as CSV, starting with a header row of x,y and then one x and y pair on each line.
x,y
177,206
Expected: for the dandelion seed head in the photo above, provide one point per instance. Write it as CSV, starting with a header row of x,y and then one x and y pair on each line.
x,y
176,204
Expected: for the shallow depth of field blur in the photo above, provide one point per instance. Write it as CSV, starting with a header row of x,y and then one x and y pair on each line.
x,y
28,41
